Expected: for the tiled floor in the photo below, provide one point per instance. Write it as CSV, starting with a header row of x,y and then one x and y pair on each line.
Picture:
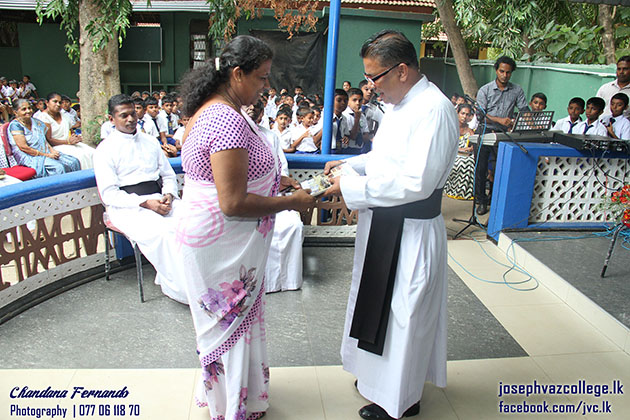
x,y
497,335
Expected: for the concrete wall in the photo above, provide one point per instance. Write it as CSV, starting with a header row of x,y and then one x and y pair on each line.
x,y
560,82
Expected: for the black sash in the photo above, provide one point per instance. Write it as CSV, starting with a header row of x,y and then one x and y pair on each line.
x,y
371,312
144,188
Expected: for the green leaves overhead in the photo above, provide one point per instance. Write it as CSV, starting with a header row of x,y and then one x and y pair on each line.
x,y
112,21
544,30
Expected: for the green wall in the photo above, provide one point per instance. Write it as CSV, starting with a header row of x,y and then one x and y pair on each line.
x,y
44,58
357,26
560,82
10,63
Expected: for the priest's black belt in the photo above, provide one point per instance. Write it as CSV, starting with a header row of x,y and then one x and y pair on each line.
x,y
144,188
371,312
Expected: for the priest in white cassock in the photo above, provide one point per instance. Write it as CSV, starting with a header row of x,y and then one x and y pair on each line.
x,y
395,332
138,186
284,264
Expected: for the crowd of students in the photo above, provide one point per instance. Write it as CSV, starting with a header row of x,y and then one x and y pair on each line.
x,y
597,119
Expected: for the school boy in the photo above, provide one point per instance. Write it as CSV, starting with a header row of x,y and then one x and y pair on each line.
x,y
617,125
152,110
569,123
538,102
282,130
301,137
340,130
145,123
167,120
359,137
594,108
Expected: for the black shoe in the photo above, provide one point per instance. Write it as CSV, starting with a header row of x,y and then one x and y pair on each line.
x,y
482,209
375,412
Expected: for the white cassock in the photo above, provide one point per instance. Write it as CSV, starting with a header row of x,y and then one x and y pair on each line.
x,y
284,264
412,155
129,159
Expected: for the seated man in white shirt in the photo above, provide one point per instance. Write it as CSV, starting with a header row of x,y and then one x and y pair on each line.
x,y
284,264
139,188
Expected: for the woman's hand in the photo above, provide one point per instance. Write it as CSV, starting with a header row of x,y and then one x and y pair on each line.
x,y
74,139
53,154
287,182
302,200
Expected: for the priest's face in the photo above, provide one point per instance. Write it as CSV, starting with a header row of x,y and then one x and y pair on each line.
x,y
124,118
384,80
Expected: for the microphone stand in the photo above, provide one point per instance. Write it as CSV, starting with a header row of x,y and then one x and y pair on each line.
x,y
472,221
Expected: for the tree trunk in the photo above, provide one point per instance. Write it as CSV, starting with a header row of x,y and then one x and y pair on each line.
x,y
455,38
604,18
526,48
99,75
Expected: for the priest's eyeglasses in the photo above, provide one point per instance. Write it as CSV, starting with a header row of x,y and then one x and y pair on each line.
x,y
373,79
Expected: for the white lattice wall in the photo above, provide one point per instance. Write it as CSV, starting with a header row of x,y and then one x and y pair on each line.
x,y
303,174
568,189
49,206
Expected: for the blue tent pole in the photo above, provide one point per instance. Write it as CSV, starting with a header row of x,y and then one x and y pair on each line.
x,y
331,73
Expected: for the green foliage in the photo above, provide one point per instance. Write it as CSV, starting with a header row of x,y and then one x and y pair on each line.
x,y
111,23
567,44
543,30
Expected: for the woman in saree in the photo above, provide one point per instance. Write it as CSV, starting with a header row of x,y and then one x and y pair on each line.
x,y
461,179
60,136
29,141
230,198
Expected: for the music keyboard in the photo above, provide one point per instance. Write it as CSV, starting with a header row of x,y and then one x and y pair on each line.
x,y
490,139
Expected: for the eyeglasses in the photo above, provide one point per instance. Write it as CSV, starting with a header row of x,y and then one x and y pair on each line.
x,y
378,76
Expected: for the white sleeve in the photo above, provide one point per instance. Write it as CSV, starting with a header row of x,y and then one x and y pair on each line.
x,y
169,179
162,123
417,172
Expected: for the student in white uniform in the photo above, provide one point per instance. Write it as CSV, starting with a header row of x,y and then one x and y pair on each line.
x,y
570,122
145,123
139,188
592,126
618,127
395,334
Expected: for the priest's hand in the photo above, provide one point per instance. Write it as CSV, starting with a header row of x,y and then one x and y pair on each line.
x,y
331,164
167,199
335,188
158,206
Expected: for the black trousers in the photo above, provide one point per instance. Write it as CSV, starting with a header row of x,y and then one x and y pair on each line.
x,y
481,174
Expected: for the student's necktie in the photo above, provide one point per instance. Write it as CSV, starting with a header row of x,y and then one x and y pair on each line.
x,y
572,125
141,124
170,124
156,124
587,127
359,138
338,134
